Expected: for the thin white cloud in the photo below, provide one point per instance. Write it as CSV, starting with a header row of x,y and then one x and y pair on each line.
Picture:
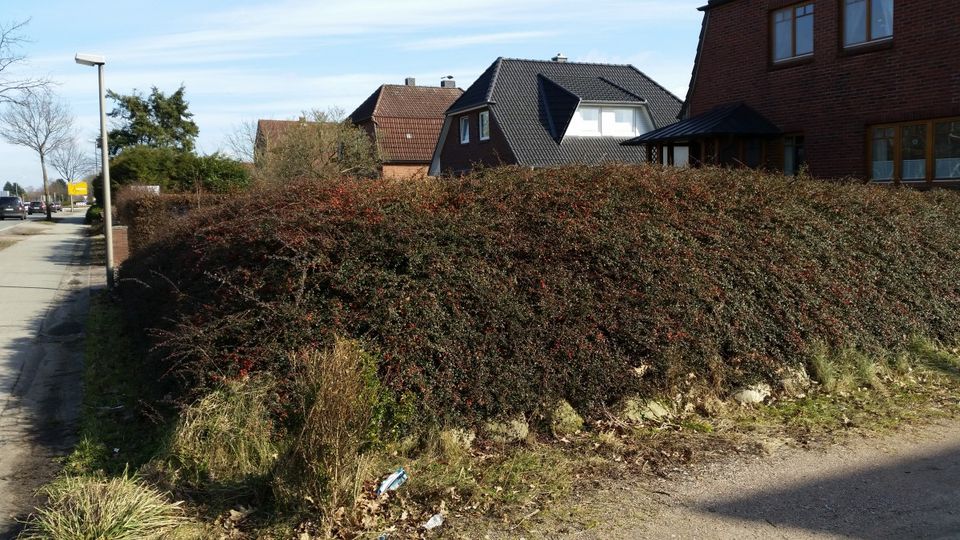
x,y
453,42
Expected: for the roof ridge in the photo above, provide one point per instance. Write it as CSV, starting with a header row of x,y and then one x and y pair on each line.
x,y
418,86
658,85
566,62
493,80
617,86
376,104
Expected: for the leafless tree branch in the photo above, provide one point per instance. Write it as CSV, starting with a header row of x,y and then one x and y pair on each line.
x,y
38,121
13,88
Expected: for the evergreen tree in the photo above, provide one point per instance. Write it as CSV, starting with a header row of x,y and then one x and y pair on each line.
x,y
157,120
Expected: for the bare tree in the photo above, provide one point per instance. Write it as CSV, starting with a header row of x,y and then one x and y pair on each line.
x,y
11,87
242,142
38,121
326,146
71,162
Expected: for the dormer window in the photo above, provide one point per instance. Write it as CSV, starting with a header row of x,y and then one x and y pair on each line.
x,y
609,121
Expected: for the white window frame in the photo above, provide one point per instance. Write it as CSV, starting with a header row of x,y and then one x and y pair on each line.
x,y
642,122
465,129
484,125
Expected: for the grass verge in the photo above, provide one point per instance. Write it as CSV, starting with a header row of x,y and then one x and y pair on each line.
x,y
121,425
225,444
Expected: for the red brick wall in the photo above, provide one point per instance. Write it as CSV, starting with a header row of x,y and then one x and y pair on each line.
x,y
405,171
121,245
459,158
833,97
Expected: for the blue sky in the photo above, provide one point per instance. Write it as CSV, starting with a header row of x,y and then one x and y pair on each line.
x,y
249,59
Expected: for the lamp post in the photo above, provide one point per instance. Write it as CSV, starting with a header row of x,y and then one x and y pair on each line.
x,y
99,61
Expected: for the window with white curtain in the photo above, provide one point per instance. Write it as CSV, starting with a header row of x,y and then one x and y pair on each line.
x,y
867,20
586,121
464,129
913,152
946,150
882,154
484,125
609,121
919,151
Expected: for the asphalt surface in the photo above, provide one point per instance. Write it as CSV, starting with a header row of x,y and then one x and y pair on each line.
x,y
45,285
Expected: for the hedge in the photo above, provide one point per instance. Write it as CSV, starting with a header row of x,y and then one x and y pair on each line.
x,y
506,290
147,215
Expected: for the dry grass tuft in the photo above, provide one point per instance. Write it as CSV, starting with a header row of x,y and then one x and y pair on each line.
x,y
121,508
228,436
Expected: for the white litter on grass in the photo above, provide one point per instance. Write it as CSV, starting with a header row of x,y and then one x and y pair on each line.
x,y
393,481
435,521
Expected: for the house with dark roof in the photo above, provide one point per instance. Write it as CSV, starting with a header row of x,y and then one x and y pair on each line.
x,y
404,122
848,88
546,113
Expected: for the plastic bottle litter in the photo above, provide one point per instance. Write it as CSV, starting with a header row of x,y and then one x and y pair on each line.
x,y
393,481
435,521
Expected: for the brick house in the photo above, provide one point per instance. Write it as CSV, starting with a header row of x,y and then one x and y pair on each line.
x,y
270,132
861,88
404,122
545,113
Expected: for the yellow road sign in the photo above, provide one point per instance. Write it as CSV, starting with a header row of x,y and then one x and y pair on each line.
x,y
77,188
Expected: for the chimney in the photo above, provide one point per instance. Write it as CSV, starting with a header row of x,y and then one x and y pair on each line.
x,y
410,81
448,82
559,58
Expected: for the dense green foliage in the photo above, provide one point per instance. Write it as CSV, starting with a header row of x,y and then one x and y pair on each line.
x,y
94,215
177,171
156,120
15,189
508,289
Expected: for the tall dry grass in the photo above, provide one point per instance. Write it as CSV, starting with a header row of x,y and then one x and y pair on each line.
x,y
323,466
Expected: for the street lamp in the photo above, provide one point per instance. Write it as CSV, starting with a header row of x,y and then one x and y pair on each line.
x,y
99,61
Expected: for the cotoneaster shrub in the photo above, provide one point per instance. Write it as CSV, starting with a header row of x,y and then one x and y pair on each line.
x,y
147,215
506,290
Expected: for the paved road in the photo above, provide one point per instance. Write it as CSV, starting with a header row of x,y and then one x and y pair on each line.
x,y
44,295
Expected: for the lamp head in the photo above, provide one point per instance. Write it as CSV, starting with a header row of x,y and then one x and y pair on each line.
x,y
90,59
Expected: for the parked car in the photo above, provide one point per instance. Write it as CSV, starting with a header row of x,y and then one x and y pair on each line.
x,y
12,207
37,207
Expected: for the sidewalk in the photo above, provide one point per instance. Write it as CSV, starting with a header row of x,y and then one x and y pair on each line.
x,y
45,285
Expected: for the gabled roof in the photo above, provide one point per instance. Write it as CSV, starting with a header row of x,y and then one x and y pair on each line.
x,y
533,102
732,119
407,119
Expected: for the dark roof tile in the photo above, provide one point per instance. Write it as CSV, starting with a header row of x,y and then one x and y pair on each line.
x,y
732,119
525,97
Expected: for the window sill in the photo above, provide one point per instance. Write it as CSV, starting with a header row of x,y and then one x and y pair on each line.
x,y
867,47
791,62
